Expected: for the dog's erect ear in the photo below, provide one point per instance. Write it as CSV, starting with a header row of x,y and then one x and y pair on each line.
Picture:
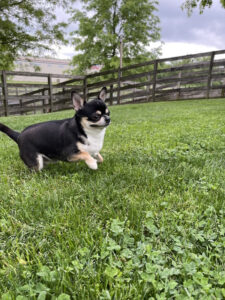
x,y
78,102
102,94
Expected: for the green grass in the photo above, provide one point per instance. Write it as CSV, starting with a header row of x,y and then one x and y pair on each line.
x,y
148,224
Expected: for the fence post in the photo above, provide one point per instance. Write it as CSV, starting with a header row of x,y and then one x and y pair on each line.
x,y
118,86
85,90
210,74
222,92
21,106
111,94
5,93
154,79
148,88
178,85
50,92
43,102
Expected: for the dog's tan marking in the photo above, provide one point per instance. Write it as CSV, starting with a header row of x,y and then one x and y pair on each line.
x,y
99,158
84,122
90,161
98,112
106,111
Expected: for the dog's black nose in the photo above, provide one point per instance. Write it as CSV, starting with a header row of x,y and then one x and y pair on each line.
x,y
107,119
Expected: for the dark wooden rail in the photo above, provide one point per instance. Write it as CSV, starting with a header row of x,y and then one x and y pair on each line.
x,y
195,76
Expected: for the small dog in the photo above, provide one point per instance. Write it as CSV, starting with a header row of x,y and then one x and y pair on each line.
x,y
78,138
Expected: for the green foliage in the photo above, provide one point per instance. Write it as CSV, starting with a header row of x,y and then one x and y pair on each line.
x,y
189,5
102,22
28,25
149,224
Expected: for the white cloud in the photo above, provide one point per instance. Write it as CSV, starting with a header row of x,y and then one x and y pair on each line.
x,y
64,52
171,49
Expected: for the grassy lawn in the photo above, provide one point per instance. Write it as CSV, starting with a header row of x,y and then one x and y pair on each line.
x,y
148,224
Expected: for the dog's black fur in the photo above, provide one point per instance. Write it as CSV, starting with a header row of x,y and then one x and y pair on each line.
x,y
71,139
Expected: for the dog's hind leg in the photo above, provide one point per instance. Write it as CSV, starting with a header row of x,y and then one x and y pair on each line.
x,y
40,161
33,160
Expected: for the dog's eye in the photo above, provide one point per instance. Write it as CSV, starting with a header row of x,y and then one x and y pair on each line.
x,y
96,117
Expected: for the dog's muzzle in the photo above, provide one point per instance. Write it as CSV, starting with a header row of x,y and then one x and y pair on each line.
x,y
107,120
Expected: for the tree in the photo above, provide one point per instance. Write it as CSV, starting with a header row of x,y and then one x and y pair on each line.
x,y
189,5
28,25
103,22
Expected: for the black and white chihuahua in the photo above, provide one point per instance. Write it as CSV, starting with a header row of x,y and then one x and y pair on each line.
x,y
78,138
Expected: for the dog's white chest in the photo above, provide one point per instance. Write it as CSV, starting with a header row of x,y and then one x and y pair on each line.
x,y
94,141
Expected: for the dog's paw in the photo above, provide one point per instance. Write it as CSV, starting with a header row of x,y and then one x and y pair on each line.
x,y
92,164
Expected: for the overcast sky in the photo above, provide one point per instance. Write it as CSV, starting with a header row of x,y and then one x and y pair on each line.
x,y
185,35
182,34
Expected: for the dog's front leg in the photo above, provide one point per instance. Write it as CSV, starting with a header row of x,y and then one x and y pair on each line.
x,y
89,160
98,157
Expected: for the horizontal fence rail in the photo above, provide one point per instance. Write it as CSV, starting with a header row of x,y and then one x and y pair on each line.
x,y
195,76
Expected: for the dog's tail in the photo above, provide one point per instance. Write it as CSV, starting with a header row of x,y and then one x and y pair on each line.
x,y
14,135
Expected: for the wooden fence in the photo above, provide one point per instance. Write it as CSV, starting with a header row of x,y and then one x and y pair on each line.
x,y
195,76
44,96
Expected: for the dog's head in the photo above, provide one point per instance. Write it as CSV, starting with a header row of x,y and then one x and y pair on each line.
x,y
93,114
